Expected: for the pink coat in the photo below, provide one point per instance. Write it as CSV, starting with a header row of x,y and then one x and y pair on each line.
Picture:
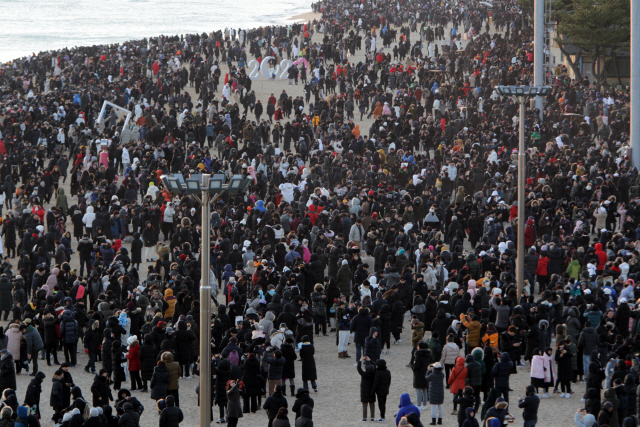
x,y
542,368
13,343
104,159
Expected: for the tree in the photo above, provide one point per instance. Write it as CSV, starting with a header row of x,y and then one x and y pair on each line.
x,y
560,8
598,28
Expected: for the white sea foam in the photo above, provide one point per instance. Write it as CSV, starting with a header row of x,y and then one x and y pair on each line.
x,y
37,25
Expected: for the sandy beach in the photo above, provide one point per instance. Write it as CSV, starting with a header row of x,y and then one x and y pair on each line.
x,y
308,16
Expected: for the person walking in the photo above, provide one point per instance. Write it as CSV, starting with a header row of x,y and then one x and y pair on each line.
x,y
34,344
32,396
91,345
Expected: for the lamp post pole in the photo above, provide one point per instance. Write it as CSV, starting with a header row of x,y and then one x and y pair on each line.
x,y
521,204
205,310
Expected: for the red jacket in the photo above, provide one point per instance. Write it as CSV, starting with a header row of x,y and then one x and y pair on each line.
x,y
602,256
529,233
458,376
543,263
134,358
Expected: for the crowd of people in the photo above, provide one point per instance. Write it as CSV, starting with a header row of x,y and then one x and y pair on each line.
x,y
363,234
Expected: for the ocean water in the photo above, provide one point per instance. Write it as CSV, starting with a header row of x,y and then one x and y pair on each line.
x,y
37,25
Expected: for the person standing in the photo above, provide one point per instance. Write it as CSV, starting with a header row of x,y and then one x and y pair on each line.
x,y
276,365
5,296
565,368
148,357
457,381
173,388
343,316
133,356
160,381
309,373
381,385
274,402
70,333
420,368
501,372
234,403
7,370
367,371
530,404
361,325
435,377
450,353
171,416
100,389
56,398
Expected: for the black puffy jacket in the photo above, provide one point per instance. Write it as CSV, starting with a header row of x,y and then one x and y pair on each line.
x,y
171,416
502,371
148,357
474,372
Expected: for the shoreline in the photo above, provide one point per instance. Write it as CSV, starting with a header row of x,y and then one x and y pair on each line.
x,y
307,16
283,21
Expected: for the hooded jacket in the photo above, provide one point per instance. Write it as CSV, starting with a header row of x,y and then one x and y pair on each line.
x,y
502,371
306,413
458,376
406,407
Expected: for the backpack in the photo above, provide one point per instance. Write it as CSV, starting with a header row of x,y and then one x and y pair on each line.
x,y
80,293
233,357
86,413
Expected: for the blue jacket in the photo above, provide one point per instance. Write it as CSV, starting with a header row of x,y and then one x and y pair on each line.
x,y
260,206
69,328
228,273
406,407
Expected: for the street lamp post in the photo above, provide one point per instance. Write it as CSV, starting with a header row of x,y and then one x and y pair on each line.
x,y
205,309
522,94
210,185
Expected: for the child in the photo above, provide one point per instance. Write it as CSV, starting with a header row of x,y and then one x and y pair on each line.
x,y
471,419
417,335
